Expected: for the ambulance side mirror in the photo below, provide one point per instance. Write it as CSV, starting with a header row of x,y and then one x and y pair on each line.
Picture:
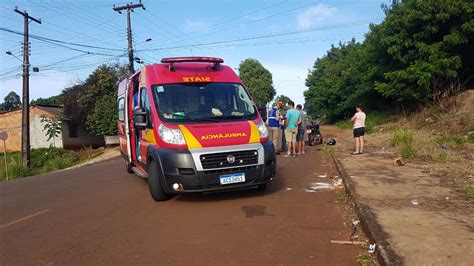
x,y
140,118
262,108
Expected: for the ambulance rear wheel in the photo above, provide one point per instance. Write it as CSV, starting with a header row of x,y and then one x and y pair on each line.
x,y
154,184
129,166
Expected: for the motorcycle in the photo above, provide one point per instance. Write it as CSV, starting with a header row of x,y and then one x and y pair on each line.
x,y
314,134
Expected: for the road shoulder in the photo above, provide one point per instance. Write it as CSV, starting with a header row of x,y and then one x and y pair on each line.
x,y
403,208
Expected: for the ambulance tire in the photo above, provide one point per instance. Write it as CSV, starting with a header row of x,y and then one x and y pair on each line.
x,y
129,166
262,187
154,184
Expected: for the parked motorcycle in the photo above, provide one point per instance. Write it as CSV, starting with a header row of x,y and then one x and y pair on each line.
x,y
314,134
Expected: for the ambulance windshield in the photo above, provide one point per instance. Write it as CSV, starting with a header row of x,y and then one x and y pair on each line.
x,y
203,102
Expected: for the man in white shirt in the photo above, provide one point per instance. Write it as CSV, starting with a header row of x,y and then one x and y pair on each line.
x,y
359,130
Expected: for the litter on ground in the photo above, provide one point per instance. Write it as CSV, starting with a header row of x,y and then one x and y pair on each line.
x,y
372,248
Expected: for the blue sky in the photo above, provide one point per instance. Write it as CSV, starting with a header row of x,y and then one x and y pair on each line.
x,y
285,36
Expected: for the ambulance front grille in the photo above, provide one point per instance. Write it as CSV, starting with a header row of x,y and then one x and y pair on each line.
x,y
229,159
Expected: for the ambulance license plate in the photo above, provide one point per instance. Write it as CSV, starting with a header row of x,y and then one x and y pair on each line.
x,y
232,179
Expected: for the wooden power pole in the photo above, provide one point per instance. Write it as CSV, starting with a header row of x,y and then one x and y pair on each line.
x,y
25,113
129,8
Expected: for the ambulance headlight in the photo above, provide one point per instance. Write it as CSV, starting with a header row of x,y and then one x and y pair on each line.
x,y
170,135
262,130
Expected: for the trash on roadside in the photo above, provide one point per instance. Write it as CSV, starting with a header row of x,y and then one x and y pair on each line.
x,y
289,188
355,222
338,183
345,242
331,141
414,202
444,146
447,198
319,186
372,248
322,176
399,162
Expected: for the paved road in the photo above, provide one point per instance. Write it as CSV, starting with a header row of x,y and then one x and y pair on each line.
x,y
99,214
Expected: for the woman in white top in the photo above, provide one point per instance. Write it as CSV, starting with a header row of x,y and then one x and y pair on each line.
x,y
359,130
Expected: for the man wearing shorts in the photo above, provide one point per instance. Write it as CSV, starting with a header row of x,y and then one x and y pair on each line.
x,y
301,130
293,119
359,130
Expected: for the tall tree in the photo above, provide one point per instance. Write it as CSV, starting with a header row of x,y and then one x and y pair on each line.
x,y
11,101
80,101
258,80
281,98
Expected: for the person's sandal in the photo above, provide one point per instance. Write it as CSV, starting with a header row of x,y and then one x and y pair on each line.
x,y
355,153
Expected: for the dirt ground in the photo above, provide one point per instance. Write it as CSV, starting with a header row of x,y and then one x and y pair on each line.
x,y
426,221
100,214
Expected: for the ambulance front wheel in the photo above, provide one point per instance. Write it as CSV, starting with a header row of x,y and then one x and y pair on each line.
x,y
155,185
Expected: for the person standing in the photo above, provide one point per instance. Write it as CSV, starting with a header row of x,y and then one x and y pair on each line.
x,y
293,119
274,126
301,130
359,130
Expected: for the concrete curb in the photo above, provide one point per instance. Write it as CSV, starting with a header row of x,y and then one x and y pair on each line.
x,y
385,253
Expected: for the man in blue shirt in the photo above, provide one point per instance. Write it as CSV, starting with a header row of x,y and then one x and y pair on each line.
x,y
274,126
293,119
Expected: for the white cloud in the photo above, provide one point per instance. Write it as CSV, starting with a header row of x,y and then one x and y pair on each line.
x,y
314,15
195,25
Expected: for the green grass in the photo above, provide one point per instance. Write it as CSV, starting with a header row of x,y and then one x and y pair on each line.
x,y
402,137
363,259
469,193
43,160
452,140
372,120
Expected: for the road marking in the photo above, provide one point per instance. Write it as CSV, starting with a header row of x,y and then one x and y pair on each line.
x,y
23,219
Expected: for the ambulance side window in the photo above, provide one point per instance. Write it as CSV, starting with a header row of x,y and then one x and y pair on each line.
x,y
121,109
145,102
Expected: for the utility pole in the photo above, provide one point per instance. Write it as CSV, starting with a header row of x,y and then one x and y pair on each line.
x,y
129,8
25,112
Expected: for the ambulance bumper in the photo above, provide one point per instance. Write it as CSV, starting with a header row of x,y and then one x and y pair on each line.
x,y
179,167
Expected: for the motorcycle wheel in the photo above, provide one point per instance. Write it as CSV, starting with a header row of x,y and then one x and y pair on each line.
x,y
311,140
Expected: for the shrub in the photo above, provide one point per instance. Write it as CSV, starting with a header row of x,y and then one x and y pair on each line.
x,y
407,151
402,137
16,170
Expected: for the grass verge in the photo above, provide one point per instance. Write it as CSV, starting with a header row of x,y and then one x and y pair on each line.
x,y
43,160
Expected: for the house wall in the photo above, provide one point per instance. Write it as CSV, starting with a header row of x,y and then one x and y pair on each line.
x,y
11,124
83,139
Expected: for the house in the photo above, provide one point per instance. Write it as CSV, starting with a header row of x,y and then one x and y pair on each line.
x,y
73,135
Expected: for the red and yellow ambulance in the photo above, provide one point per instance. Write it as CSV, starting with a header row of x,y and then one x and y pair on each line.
x,y
189,125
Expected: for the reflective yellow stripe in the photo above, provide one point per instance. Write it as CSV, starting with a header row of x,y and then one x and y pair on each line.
x,y
150,136
254,135
190,139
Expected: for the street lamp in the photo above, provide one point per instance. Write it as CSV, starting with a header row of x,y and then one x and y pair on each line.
x,y
10,53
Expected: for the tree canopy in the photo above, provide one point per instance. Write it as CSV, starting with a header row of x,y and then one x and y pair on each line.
x,y
257,80
422,51
86,103
10,102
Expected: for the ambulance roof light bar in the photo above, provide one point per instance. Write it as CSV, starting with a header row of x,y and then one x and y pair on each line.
x,y
172,60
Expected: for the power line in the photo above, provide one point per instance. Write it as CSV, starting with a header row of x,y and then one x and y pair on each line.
x,y
63,43
269,35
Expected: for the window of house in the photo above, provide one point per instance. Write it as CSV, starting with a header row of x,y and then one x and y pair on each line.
x,y
73,130
121,109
